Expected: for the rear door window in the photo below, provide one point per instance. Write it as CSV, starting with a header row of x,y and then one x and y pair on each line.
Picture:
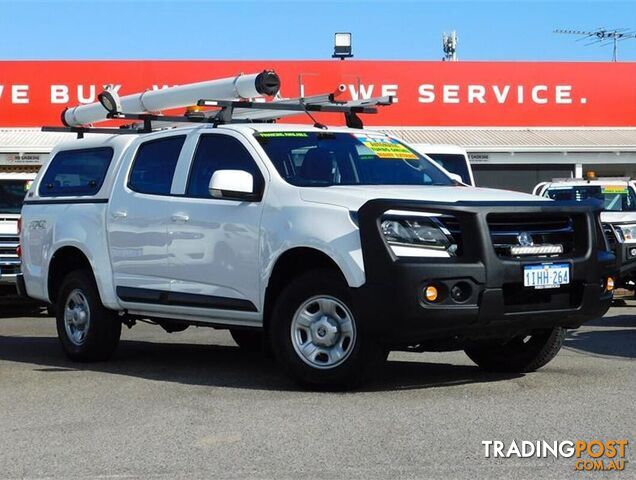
x,y
76,172
155,164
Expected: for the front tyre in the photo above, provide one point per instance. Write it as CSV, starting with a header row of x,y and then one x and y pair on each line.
x,y
524,353
316,335
87,330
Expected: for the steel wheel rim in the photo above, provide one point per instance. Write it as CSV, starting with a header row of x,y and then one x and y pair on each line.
x,y
323,332
77,317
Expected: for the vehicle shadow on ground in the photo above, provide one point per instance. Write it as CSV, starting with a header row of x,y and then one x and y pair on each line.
x,y
614,321
225,366
614,342
26,309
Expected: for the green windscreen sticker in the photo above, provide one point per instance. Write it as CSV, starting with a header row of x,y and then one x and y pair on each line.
x,y
282,134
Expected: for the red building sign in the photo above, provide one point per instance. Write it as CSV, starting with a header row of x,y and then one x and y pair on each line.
x,y
33,93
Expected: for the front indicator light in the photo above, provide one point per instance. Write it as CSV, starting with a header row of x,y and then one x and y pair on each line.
x,y
430,293
609,284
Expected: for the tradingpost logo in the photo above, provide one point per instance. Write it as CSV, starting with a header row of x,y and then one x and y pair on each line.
x,y
589,455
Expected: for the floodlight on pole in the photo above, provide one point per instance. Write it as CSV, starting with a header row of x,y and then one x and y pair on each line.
x,y
342,45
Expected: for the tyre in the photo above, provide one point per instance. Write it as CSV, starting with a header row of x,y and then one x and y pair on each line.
x,y
524,353
248,340
316,335
87,330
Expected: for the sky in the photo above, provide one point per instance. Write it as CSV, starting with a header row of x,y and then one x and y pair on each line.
x,y
270,29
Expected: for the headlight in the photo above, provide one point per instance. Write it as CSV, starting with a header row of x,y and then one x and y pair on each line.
x,y
627,233
418,237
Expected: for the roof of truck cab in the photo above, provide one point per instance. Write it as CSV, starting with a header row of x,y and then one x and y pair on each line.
x,y
93,140
580,182
290,127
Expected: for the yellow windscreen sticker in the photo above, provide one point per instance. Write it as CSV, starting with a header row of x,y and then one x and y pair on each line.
x,y
389,149
615,190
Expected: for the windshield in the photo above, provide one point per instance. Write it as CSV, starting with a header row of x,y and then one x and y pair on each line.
x,y
12,194
454,163
615,198
325,158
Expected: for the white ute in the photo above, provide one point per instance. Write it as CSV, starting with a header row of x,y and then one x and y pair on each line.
x,y
329,246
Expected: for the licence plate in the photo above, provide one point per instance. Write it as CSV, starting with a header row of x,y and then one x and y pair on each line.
x,y
547,275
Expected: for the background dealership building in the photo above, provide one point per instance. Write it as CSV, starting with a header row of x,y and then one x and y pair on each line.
x,y
521,122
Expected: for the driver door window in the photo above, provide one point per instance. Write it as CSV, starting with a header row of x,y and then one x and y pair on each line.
x,y
219,152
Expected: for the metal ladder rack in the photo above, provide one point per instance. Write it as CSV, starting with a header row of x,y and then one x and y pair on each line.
x,y
237,111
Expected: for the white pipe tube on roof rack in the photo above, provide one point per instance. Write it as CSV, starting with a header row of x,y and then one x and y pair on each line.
x,y
265,83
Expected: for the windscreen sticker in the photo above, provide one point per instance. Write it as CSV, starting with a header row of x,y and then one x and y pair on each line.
x,y
282,134
614,190
386,147
27,185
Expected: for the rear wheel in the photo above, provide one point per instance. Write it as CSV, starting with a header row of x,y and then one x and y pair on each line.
x,y
316,335
524,353
87,330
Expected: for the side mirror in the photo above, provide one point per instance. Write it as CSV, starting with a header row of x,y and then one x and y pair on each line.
x,y
233,185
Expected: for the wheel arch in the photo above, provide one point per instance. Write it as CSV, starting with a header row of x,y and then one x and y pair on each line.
x,y
291,264
65,260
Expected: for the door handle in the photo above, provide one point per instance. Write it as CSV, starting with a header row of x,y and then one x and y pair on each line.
x,y
118,215
180,218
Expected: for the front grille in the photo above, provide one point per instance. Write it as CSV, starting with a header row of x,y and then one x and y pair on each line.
x,y
518,298
9,261
544,229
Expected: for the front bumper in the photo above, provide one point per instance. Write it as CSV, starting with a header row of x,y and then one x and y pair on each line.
x,y
393,307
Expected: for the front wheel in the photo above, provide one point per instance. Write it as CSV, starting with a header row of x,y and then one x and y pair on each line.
x,y
87,330
524,353
316,335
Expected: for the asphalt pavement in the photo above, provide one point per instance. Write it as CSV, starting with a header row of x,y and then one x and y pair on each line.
x,y
192,405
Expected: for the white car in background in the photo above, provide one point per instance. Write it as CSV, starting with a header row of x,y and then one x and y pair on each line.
x,y
452,158
618,216
13,188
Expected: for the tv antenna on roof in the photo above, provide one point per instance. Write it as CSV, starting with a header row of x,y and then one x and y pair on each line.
x,y
603,36
449,45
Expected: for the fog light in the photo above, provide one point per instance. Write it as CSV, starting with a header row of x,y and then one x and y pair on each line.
x,y
431,293
632,252
609,284
460,292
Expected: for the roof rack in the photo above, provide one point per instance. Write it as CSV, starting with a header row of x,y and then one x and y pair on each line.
x,y
237,111
592,179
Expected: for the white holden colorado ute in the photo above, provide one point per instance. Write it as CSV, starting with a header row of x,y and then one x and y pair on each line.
x,y
329,246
